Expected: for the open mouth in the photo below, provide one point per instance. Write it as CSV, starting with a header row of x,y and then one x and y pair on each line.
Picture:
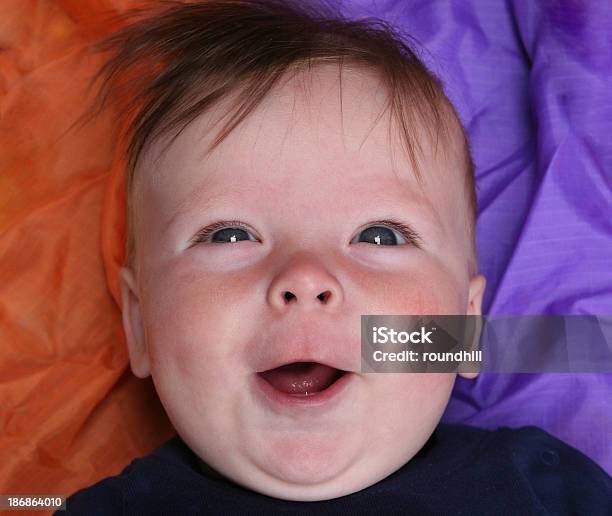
x,y
302,379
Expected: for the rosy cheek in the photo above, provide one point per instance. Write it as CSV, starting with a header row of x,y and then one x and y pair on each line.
x,y
429,291
188,313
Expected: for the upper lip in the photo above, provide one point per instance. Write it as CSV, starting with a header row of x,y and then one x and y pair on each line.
x,y
327,348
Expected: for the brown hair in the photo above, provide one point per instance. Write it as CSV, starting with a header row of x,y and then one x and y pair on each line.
x,y
177,59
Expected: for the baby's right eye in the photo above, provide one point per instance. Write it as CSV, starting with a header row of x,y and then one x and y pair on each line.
x,y
222,233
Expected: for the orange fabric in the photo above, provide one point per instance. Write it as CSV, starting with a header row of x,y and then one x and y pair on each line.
x,y
71,412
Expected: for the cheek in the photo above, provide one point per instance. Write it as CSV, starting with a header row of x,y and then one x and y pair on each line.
x,y
426,288
194,323
193,320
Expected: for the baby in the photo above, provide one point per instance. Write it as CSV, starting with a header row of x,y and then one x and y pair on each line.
x,y
289,171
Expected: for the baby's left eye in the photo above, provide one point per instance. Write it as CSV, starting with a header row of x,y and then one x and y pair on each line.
x,y
230,235
381,235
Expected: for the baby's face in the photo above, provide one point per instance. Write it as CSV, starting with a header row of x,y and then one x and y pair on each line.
x,y
299,187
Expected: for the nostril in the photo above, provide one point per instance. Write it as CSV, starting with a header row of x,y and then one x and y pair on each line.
x,y
324,296
290,296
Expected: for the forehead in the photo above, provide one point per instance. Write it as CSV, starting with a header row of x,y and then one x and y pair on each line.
x,y
319,132
303,111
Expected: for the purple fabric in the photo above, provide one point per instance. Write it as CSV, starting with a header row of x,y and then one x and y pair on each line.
x,y
531,82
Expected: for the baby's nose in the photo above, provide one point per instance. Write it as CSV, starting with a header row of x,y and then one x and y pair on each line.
x,y
306,283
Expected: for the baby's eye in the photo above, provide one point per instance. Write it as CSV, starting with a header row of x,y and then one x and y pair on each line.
x,y
380,235
397,234
230,235
218,234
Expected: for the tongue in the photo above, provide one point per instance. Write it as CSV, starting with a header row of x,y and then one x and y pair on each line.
x,y
301,378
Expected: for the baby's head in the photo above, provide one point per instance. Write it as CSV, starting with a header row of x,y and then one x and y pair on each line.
x,y
320,174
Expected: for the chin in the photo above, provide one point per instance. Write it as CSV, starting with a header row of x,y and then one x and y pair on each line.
x,y
333,488
311,479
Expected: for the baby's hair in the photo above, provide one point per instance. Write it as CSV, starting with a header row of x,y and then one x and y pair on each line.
x,y
177,60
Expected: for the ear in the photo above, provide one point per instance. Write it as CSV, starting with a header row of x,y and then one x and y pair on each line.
x,y
132,324
475,295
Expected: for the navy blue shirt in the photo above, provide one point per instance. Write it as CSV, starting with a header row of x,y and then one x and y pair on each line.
x,y
460,470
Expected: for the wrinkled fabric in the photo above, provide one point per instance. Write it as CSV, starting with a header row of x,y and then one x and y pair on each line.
x,y
531,82
71,411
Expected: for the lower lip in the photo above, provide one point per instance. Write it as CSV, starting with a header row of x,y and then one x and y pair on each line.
x,y
324,397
